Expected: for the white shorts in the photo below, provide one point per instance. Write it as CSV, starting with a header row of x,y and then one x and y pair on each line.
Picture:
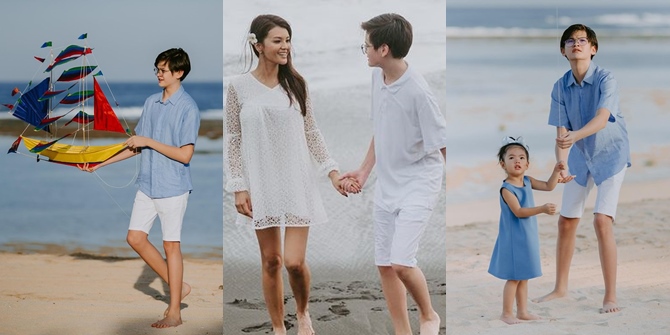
x,y
574,196
169,210
397,234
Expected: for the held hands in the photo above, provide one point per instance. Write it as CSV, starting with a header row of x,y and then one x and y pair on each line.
x,y
354,181
549,208
566,140
343,185
563,173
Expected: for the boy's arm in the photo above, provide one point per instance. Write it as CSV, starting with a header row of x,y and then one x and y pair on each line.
x,y
562,156
524,212
361,175
181,154
123,154
595,125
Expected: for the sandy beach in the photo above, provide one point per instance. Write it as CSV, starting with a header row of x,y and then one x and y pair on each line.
x,y
474,297
45,294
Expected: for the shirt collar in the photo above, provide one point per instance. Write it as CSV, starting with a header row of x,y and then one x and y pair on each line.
x,y
588,78
173,98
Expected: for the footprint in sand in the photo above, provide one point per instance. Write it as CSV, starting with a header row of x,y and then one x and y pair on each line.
x,y
340,309
244,304
266,326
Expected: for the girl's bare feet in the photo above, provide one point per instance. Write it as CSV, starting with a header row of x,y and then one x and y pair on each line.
x,y
527,316
509,319
610,307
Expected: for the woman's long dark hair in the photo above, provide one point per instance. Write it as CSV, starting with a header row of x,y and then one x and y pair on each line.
x,y
289,79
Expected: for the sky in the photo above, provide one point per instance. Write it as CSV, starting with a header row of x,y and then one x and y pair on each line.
x,y
554,3
126,35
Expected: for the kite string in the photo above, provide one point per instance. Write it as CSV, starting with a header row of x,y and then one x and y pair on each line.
x,y
103,183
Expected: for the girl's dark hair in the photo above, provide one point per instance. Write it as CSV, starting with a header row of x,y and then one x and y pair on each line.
x,y
289,79
503,151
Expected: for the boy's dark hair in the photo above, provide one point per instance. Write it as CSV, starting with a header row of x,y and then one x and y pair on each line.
x,y
590,35
504,148
289,79
177,60
390,29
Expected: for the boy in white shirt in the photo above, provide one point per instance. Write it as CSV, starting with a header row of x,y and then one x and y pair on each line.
x,y
409,149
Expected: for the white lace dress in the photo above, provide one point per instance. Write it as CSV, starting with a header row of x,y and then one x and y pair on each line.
x,y
270,150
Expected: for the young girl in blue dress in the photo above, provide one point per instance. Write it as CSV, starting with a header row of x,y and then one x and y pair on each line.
x,y
516,255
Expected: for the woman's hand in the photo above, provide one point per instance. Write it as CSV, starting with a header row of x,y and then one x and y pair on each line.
x,y
243,203
337,182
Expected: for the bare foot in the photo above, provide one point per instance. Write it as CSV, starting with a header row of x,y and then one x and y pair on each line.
x,y
185,290
281,331
167,322
527,316
429,326
610,307
510,319
305,324
551,296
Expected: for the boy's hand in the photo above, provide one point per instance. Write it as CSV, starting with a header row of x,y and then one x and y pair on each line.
x,y
86,167
340,186
549,208
137,142
358,176
567,140
351,185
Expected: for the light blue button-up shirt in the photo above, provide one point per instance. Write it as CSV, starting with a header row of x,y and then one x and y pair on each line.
x,y
173,122
605,153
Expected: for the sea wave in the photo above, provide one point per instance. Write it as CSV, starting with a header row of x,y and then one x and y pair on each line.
x,y
518,32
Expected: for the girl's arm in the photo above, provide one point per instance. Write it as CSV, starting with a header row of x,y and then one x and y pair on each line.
x,y
524,212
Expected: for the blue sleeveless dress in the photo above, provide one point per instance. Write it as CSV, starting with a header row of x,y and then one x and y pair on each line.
x,y
516,255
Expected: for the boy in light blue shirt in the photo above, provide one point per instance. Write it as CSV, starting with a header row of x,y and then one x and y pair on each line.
x,y
589,125
166,136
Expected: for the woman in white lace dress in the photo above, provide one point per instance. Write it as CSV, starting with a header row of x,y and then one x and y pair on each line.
x,y
271,144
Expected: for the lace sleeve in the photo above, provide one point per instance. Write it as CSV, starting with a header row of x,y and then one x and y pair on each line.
x,y
233,164
316,143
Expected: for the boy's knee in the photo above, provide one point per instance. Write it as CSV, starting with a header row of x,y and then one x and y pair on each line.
x,y
402,271
136,237
294,267
171,246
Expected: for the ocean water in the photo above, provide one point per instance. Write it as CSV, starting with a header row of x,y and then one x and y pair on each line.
x,y
54,208
127,98
501,66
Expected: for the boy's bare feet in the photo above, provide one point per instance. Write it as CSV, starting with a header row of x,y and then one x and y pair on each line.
x,y
527,316
429,326
305,324
167,322
185,290
551,296
281,331
609,307
509,319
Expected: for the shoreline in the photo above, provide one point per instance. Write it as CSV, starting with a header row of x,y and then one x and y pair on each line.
x,y
212,129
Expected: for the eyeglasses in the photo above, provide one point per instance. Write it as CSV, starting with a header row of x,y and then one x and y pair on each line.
x,y
364,48
570,42
161,71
